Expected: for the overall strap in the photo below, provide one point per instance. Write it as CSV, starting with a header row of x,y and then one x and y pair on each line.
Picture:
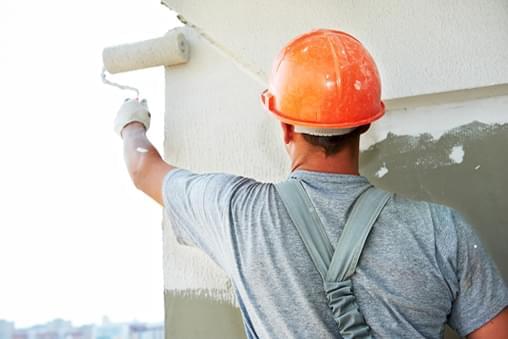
x,y
364,214
308,224
338,285
336,266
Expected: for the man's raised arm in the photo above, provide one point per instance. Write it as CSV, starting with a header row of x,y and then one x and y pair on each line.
x,y
144,163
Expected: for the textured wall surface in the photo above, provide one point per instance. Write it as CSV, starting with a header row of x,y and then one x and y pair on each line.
x,y
445,147
421,46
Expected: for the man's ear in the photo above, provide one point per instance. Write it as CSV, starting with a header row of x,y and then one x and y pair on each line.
x,y
288,132
363,129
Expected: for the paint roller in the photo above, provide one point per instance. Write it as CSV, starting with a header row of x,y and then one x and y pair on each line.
x,y
168,50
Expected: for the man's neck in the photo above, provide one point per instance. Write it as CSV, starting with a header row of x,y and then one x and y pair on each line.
x,y
344,162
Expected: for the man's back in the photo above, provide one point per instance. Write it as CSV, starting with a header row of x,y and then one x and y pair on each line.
x,y
422,265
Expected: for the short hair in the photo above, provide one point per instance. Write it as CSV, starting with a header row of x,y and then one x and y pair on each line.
x,y
333,144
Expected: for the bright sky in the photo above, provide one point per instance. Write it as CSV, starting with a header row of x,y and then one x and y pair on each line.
x,y
77,240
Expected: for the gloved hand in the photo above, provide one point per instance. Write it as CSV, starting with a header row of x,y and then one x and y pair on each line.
x,y
130,111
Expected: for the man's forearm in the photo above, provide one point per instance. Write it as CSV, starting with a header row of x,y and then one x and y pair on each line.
x,y
144,163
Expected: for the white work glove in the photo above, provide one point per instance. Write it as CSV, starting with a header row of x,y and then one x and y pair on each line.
x,y
132,110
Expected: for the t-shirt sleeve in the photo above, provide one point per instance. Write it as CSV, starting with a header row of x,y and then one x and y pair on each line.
x,y
482,292
198,208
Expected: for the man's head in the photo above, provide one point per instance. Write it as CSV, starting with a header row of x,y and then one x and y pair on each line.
x,y
325,90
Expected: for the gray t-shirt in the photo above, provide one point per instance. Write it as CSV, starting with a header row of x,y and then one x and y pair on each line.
x,y
422,267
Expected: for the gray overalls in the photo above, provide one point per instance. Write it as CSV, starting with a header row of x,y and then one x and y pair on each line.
x,y
336,266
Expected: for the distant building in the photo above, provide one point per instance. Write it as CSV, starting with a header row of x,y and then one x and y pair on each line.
x,y
108,330
82,332
6,329
62,329
56,329
143,331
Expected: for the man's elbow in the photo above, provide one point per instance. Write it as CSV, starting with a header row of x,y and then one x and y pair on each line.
x,y
137,179
147,174
139,172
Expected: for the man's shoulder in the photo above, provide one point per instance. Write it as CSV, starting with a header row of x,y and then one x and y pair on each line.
x,y
440,216
209,178
422,206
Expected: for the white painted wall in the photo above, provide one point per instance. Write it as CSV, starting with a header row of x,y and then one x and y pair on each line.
x,y
421,47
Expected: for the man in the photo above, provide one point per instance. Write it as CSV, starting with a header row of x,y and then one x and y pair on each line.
x,y
421,267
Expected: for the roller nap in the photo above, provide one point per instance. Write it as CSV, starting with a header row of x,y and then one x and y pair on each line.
x,y
171,49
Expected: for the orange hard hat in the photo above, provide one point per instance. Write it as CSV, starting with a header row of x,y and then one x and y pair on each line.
x,y
324,79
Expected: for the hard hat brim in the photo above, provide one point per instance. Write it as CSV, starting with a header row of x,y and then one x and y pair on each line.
x,y
291,121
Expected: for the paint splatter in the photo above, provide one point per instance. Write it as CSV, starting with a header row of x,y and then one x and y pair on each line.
x,y
457,154
477,168
382,171
358,85
330,83
141,150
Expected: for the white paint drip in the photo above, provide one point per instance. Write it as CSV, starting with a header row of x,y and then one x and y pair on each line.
x,y
382,171
457,154
141,150
477,168
475,246
358,85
